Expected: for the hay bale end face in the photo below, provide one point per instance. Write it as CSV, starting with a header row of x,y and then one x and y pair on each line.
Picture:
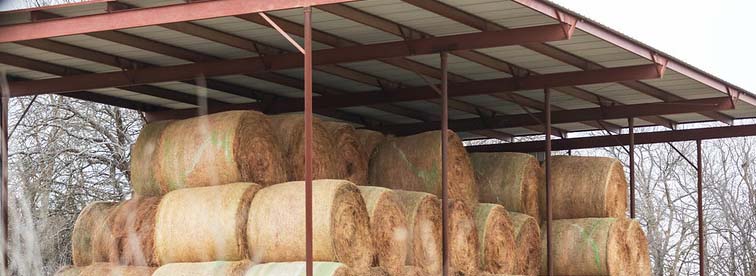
x,y
369,140
423,212
464,254
589,246
215,149
327,163
586,187
132,225
219,268
105,269
509,179
496,238
527,236
388,227
413,163
203,224
341,230
349,150
91,240
298,269
638,244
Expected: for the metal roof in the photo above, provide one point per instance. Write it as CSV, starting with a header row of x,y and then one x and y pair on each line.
x,y
590,46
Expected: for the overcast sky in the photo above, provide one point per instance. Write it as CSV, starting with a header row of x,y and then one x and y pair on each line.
x,y
716,36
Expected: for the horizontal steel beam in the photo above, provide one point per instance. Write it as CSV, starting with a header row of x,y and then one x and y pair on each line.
x,y
624,139
291,60
147,17
570,116
503,85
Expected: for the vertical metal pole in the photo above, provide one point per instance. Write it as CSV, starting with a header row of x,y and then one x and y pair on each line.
x,y
631,130
701,241
549,249
444,147
308,134
4,160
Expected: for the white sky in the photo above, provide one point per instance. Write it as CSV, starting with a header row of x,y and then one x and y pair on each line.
x,y
717,36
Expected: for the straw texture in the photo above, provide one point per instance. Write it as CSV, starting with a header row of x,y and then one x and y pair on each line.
x,y
132,225
388,227
464,254
298,269
369,140
327,162
105,269
423,212
638,244
348,148
341,231
510,179
204,224
495,238
91,240
527,236
219,268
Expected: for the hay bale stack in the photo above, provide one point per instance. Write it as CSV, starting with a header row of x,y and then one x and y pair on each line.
x,y
91,240
132,225
105,269
510,179
219,268
327,163
348,148
495,238
527,236
423,212
388,227
586,187
589,246
216,149
298,269
203,224
639,255
413,163
369,140
464,254
341,230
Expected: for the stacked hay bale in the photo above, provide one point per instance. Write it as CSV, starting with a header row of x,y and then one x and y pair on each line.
x,y
326,160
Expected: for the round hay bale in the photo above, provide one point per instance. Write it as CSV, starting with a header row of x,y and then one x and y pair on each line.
x,y
423,212
145,171
216,149
510,179
298,269
132,225
327,163
348,147
586,187
527,236
218,268
105,269
639,255
369,140
91,240
375,271
388,227
496,238
589,246
464,254
413,163
341,226
409,270
203,224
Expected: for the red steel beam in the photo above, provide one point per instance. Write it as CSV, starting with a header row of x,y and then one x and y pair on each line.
x,y
470,88
623,139
147,17
571,116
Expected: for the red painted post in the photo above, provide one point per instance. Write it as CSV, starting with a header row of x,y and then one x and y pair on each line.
x,y
308,134
444,167
547,113
631,132
701,237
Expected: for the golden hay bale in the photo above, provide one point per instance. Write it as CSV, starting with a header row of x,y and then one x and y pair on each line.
x,y
216,149
639,255
423,212
105,269
464,254
348,148
91,240
203,224
327,163
218,268
341,226
409,270
132,225
369,140
510,179
589,246
298,269
374,271
585,187
496,238
413,163
388,227
527,236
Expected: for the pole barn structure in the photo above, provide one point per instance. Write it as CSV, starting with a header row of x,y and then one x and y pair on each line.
x,y
487,69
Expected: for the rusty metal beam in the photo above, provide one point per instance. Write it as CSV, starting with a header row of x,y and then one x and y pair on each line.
x,y
547,169
307,51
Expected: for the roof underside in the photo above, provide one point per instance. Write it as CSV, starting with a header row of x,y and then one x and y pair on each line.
x,y
364,23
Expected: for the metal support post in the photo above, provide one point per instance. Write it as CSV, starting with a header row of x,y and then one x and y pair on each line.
x,y
547,113
701,237
631,152
4,171
308,134
444,157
